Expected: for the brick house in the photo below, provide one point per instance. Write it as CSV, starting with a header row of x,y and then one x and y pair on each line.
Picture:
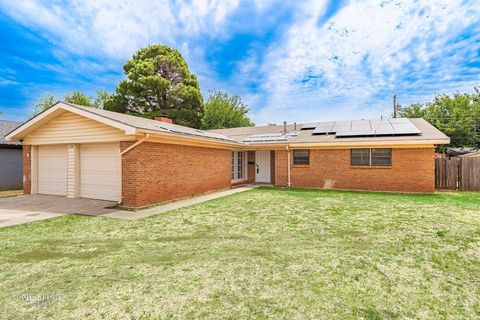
x,y
77,151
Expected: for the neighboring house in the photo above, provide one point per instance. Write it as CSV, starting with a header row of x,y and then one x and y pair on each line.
x,y
78,151
11,165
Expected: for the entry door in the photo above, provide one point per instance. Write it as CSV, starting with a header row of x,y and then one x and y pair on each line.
x,y
262,160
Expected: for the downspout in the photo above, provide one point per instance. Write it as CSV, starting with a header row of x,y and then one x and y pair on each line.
x,y
135,144
288,167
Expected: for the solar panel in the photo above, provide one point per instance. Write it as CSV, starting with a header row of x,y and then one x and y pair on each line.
x,y
324,127
266,137
270,137
361,125
342,126
308,126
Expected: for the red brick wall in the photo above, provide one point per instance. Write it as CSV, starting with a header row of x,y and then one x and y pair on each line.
x,y
272,167
27,176
155,172
412,170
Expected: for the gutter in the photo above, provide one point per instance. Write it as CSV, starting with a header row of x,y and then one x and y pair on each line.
x,y
289,184
135,144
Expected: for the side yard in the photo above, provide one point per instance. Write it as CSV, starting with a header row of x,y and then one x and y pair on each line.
x,y
264,253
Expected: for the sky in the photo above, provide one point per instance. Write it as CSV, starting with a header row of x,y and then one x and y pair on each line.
x,y
297,60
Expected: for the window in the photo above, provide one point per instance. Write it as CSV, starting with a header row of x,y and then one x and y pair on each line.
x,y
238,165
360,157
381,157
301,157
371,157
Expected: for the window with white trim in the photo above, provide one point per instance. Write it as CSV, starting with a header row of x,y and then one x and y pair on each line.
x,y
238,165
371,157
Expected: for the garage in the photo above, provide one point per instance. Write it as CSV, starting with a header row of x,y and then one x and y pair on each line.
x,y
52,170
100,171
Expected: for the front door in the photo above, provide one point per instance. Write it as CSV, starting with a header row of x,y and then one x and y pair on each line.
x,y
262,161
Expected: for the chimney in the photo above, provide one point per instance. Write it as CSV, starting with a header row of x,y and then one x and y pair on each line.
x,y
163,118
395,105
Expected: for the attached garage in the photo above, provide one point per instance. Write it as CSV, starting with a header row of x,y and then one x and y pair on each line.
x,y
81,152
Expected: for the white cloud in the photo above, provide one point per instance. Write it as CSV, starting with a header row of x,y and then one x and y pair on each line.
x,y
365,49
118,28
346,67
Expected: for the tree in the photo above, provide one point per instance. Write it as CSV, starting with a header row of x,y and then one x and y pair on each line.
x,y
224,111
458,116
159,82
103,98
45,101
80,98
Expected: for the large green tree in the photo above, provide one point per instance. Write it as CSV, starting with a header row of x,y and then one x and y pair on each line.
x,y
225,111
458,116
159,82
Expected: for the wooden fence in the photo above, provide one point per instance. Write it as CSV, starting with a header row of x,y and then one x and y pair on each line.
x,y
457,173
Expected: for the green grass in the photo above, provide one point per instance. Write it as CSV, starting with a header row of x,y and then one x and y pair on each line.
x,y
265,253
10,193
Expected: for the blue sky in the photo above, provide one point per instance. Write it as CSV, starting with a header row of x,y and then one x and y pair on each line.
x,y
289,60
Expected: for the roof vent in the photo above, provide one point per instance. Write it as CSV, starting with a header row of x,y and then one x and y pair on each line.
x,y
163,118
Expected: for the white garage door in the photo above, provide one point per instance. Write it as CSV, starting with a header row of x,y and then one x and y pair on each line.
x,y
100,171
52,170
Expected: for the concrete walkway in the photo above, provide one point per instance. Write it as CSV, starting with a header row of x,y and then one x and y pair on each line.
x,y
23,209
136,215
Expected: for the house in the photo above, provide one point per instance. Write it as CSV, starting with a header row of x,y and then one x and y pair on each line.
x,y
77,151
11,165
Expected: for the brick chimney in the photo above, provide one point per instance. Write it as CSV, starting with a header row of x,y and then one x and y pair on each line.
x,y
163,118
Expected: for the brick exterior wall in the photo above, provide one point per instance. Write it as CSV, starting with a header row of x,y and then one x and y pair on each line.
x,y
155,172
27,175
412,170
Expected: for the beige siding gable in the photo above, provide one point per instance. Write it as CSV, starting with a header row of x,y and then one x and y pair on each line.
x,y
72,128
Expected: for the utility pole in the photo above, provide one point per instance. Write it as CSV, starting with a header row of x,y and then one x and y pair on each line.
x,y
395,105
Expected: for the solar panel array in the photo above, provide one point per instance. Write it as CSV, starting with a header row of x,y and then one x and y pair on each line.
x,y
189,131
362,128
270,137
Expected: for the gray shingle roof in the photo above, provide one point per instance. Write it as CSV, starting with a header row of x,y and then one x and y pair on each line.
x,y
154,125
5,128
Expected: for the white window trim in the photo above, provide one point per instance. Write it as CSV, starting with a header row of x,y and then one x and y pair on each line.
x,y
245,166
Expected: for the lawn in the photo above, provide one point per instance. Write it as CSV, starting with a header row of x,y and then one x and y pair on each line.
x,y
265,253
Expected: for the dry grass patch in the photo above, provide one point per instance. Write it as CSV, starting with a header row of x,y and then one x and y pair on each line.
x,y
10,193
265,253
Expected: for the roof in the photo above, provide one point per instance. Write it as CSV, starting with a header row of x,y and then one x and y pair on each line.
x,y
5,128
408,131
122,121
424,133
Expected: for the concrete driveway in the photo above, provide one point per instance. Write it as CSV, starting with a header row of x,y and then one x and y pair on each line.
x,y
23,209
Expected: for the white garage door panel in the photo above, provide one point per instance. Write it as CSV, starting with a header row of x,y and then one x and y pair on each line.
x,y
100,171
52,170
